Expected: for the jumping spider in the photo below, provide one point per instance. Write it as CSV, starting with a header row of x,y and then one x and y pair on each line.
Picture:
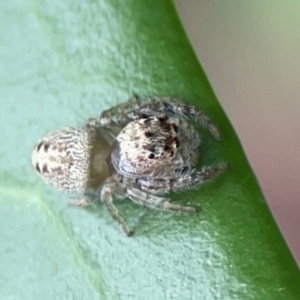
x,y
141,149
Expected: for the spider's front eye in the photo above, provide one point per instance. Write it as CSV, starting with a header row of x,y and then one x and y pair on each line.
x,y
151,156
171,153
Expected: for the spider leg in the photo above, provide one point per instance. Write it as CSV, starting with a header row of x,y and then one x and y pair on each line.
x,y
120,111
183,180
109,189
175,106
138,107
81,202
123,119
113,128
153,201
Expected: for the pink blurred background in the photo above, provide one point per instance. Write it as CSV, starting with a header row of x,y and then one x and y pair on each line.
x,y
250,51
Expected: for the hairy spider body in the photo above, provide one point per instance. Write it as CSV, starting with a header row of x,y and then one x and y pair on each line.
x,y
155,147
73,159
149,151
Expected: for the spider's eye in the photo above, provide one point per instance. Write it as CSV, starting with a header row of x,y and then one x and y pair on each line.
x,y
149,134
175,127
163,118
171,153
151,156
177,142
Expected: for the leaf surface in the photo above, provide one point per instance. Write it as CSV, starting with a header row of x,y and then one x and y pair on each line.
x,y
65,61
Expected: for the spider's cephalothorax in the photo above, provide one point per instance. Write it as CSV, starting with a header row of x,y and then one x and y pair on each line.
x,y
149,151
155,147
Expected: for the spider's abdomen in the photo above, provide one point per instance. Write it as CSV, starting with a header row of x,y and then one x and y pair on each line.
x,y
72,159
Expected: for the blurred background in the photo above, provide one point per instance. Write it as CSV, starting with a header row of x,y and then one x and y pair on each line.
x,y
250,51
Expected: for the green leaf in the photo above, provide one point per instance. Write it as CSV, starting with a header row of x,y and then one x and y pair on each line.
x,y
65,61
